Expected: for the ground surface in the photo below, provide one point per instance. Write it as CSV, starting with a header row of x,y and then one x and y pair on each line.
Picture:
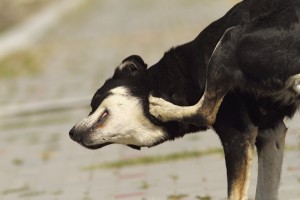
x,y
13,12
60,73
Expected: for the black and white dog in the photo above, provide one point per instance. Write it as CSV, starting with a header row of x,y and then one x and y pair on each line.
x,y
244,68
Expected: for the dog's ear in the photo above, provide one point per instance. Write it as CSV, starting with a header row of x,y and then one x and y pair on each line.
x,y
130,66
137,61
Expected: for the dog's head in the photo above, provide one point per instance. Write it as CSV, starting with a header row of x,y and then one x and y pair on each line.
x,y
120,112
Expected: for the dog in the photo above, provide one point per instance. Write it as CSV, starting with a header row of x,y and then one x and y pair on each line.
x,y
242,67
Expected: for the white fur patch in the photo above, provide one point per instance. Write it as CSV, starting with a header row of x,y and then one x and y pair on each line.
x,y
297,88
295,83
125,123
291,91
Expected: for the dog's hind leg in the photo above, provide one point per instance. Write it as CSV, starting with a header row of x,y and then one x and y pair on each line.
x,y
270,147
239,149
222,74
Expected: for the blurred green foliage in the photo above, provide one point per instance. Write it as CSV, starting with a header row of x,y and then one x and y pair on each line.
x,y
20,63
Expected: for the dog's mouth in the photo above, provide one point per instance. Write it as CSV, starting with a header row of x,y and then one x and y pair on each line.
x,y
96,146
99,146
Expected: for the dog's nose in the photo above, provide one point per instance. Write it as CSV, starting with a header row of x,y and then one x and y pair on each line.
x,y
75,135
72,132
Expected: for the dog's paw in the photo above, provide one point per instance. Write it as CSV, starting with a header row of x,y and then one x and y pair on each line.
x,y
161,109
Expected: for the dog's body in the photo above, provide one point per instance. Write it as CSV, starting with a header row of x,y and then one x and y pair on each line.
x,y
251,113
259,57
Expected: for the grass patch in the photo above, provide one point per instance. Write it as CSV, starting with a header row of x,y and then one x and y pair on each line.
x,y
154,159
144,185
87,198
32,194
17,162
291,148
206,197
174,177
15,190
177,196
57,193
27,192
20,64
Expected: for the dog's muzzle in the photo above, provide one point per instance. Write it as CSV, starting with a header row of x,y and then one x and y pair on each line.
x,y
77,137
73,136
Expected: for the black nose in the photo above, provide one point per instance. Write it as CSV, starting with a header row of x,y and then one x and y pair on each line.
x,y
75,135
71,133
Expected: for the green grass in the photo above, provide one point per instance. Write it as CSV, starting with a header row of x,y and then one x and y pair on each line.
x,y
291,147
154,159
206,197
177,196
57,192
174,178
18,162
87,198
32,194
16,190
20,64
144,185
27,192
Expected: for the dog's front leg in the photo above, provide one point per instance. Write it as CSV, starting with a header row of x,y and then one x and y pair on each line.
x,y
239,149
270,147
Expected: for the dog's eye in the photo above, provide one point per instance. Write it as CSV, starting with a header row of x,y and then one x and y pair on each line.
x,y
102,118
104,115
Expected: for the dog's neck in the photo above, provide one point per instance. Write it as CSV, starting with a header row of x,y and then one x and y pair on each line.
x,y
175,76
182,70
179,76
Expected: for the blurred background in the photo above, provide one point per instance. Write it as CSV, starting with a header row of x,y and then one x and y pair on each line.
x,y
54,54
